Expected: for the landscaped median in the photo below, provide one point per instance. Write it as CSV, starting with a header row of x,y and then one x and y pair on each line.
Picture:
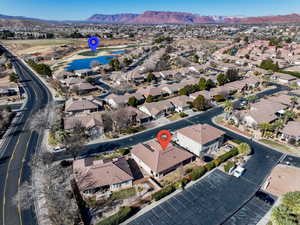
x,y
123,214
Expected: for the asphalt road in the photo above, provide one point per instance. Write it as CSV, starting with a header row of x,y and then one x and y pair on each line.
x,y
18,148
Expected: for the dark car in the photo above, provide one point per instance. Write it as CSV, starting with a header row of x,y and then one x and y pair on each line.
x,y
265,197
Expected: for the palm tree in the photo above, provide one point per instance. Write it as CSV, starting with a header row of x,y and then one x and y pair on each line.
x,y
288,115
228,108
278,124
294,101
264,127
244,149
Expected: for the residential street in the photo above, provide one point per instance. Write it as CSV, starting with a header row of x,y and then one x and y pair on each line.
x,y
18,148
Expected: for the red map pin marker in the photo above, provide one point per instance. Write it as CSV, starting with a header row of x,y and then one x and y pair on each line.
x,y
164,137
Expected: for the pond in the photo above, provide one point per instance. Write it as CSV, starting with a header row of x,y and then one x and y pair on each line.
x,y
79,64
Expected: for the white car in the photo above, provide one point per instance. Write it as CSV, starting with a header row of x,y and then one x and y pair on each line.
x,y
238,171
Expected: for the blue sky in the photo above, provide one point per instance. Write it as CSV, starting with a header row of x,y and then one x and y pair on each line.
x,y
81,9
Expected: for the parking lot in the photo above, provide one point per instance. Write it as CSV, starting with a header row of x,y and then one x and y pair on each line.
x,y
249,214
209,201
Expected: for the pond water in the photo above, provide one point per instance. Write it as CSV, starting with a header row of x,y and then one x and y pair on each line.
x,y
79,64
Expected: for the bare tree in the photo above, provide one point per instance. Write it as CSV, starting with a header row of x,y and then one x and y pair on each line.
x,y
121,119
74,141
42,118
54,188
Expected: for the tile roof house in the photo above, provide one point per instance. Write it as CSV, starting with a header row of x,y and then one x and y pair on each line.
x,y
200,139
94,175
180,103
291,130
283,78
83,88
158,162
264,111
157,109
117,101
205,94
93,123
138,117
73,106
151,90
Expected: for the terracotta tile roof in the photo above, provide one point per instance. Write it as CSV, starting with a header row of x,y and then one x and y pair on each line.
x,y
292,129
157,159
86,120
201,133
80,104
180,101
97,173
156,107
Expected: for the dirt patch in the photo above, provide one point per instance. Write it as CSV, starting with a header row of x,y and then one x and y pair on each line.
x,y
283,179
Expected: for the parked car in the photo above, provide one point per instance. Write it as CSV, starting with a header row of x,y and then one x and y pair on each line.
x,y
238,171
59,149
228,147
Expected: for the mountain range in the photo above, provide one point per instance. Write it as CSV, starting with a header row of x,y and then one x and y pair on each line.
x,y
160,17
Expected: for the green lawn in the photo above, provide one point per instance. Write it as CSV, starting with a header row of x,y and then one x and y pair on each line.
x,y
275,145
43,42
123,194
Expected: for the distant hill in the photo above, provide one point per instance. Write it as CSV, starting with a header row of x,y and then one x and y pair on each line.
x,y
159,17
156,17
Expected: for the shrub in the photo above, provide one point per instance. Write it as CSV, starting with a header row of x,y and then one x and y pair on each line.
x,y
188,170
217,162
219,98
228,155
163,192
117,218
182,114
124,151
197,173
209,166
228,166
236,141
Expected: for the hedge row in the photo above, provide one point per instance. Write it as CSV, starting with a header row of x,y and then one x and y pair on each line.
x,y
163,192
117,218
200,171
195,174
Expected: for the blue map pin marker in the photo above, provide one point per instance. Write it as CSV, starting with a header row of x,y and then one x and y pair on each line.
x,y
93,43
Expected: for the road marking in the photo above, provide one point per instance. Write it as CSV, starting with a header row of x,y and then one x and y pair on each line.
x,y
7,173
6,178
21,171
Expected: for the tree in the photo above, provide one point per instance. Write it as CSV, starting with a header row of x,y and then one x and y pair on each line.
x,y
151,77
183,91
294,101
132,101
244,149
288,212
232,75
74,141
149,99
199,103
13,78
277,125
264,127
90,80
202,84
228,108
269,65
288,115
222,79
210,84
